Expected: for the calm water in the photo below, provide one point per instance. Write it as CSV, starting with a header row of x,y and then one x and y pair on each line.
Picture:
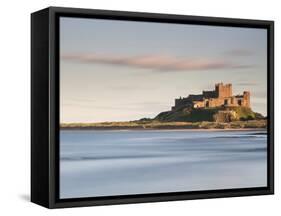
x,y
102,163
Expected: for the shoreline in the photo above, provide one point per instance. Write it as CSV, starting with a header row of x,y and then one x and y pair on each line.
x,y
161,129
156,125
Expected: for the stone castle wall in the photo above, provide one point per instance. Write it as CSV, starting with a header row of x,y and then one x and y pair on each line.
x,y
223,91
221,96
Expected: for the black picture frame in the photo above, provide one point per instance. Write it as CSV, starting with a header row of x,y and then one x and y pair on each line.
x,y
45,106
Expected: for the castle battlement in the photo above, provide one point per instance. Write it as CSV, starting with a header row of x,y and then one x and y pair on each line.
x,y
221,96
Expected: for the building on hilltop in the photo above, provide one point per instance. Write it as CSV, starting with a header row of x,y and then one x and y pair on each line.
x,y
220,97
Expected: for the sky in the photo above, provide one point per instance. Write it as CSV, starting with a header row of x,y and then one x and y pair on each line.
x,y
114,70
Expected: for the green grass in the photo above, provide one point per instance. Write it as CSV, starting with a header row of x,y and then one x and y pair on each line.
x,y
244,113
188,115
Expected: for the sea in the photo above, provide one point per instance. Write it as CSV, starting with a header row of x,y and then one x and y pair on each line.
x,y
96,163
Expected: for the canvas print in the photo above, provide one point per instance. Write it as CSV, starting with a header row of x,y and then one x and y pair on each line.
x,y
149,107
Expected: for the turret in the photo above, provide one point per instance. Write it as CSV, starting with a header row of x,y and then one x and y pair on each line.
x,y
246,99
223,91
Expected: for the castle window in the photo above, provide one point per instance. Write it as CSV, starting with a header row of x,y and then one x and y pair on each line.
x,y
225,102
239,102
207,104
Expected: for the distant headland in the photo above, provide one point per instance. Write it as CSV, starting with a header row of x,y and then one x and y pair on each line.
x,y
216,109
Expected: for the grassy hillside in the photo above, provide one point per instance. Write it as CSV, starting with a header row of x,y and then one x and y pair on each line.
x,y
188,115
208,114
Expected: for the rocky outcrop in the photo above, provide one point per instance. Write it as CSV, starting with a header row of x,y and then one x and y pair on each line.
x,y
225,116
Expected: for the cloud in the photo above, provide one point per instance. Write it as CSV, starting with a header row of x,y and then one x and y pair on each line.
x,y
252,83
157,62
239,52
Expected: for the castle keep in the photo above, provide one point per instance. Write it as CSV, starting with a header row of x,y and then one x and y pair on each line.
x,y
220,97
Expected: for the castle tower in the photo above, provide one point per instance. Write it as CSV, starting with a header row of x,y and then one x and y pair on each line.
x,y
223,91
246,99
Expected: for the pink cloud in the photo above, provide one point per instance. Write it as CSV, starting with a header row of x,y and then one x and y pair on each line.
x,y
157,62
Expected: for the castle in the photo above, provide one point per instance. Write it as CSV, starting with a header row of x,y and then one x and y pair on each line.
x,y
220,97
